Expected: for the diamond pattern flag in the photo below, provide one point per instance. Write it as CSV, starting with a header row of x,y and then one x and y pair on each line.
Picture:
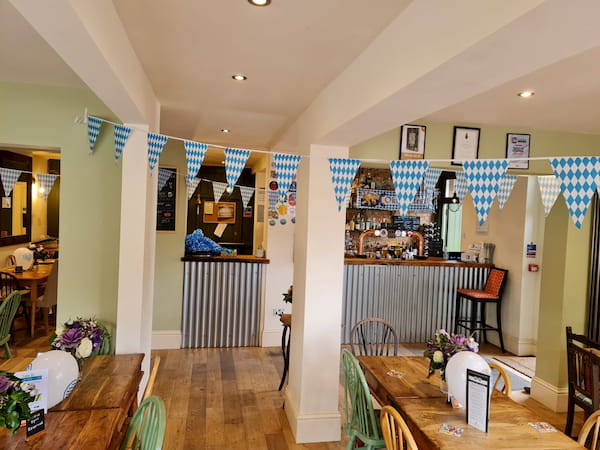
x,y
121,135
9,178
156,143
235,160
460,185
46,181
506,187
94,125
343,172
285,169
273,198
431,179
578,178
191,186
483,178
407,176
163,177
218,189
194,156
247,193
549,190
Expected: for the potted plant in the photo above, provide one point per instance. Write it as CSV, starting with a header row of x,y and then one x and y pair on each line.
x,y
82,338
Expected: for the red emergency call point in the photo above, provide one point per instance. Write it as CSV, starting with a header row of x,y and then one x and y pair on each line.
x,y
534,268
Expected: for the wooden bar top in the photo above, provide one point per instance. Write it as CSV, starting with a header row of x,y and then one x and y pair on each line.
x,y
239,258
435,262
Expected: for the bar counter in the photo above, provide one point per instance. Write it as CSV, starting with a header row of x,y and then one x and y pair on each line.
x,y
416,296
239,258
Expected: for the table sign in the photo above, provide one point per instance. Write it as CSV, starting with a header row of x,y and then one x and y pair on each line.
x,y
35,424
478,399
39,380
18,269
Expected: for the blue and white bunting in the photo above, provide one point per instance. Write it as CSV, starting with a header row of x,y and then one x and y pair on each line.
x,y
483,178
343,172
163,176
191,186
273,199
549,190
121,135
194,156
46,181
285,170
506,187
578,178
94,125
407,176
460,186
431,178
235,161
156,143
9,178
218,190
247,193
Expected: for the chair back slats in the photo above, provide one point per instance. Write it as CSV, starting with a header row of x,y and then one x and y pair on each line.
x,y
591,431
374,337
147,428
396,433
8,309
8,284
495,282
502,376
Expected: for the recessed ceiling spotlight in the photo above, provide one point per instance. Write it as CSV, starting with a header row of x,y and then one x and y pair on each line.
x,y
239,77
225,130
259,2
526,94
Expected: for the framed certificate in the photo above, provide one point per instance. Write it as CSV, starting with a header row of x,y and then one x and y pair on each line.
x,y
465,145
517,146
412,141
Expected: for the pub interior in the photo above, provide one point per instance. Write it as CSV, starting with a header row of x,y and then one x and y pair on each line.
x,y
208,157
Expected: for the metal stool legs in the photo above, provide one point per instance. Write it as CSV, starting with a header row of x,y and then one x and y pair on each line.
x,y
285,350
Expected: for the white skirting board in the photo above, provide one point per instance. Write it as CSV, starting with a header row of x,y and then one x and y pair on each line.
x,y
166,339
549,395
311,428
271,338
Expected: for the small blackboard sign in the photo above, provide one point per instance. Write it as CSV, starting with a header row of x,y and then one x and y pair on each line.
x,y
166,202
36,423
18,269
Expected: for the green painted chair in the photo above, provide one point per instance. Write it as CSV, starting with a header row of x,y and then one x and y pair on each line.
x,y
147,428
361,421
8,309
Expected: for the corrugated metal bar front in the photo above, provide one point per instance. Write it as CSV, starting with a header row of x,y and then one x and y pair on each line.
x,y
221,304
416,300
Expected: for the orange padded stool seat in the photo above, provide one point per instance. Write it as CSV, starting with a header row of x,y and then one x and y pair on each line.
x,y
492,293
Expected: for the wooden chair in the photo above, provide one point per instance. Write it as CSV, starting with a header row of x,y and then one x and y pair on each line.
x,y
8,310
147,428
360,417
583,367
502,375
8,284
591,425
151,378
491,294
373,337
396,434
48,301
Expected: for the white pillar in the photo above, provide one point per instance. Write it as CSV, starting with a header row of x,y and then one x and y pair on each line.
x,y
312,393
136,251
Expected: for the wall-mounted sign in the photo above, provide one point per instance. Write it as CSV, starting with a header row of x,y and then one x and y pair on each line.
x,y
166,201
219,212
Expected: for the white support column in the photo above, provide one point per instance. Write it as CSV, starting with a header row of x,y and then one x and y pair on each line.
x,y
136,252
312,393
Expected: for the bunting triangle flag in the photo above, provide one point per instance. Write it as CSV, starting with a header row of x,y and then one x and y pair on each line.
x,y
194,156
191,186
460,186
156,143
218,189
549,190
407,176
578,178
506,187
94,125
121,135
247,193
163,176
343,172
273,198
235,160
9,178
431,178
46,181
285,170
483,178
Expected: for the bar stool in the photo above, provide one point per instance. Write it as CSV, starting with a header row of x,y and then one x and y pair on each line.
x,y
492,293
286,321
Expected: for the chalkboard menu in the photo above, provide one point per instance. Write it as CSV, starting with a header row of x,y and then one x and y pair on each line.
x,y
166,206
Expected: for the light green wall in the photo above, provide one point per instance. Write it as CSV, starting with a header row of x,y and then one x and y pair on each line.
x,y
33,115
170,247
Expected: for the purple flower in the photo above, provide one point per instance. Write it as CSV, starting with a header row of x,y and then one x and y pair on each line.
x,y
77,324
96,339
72,337
5,383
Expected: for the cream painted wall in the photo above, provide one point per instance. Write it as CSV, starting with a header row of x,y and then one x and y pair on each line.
x,y
32,115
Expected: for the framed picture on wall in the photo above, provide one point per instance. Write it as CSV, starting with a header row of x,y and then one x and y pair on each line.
x,y
465,145
166,202
517,146
412,141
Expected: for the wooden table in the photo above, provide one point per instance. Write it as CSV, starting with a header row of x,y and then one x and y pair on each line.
x,y
32,279
108,386
424,407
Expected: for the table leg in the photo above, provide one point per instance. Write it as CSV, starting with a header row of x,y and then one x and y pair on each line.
x,y
285,350
33,294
